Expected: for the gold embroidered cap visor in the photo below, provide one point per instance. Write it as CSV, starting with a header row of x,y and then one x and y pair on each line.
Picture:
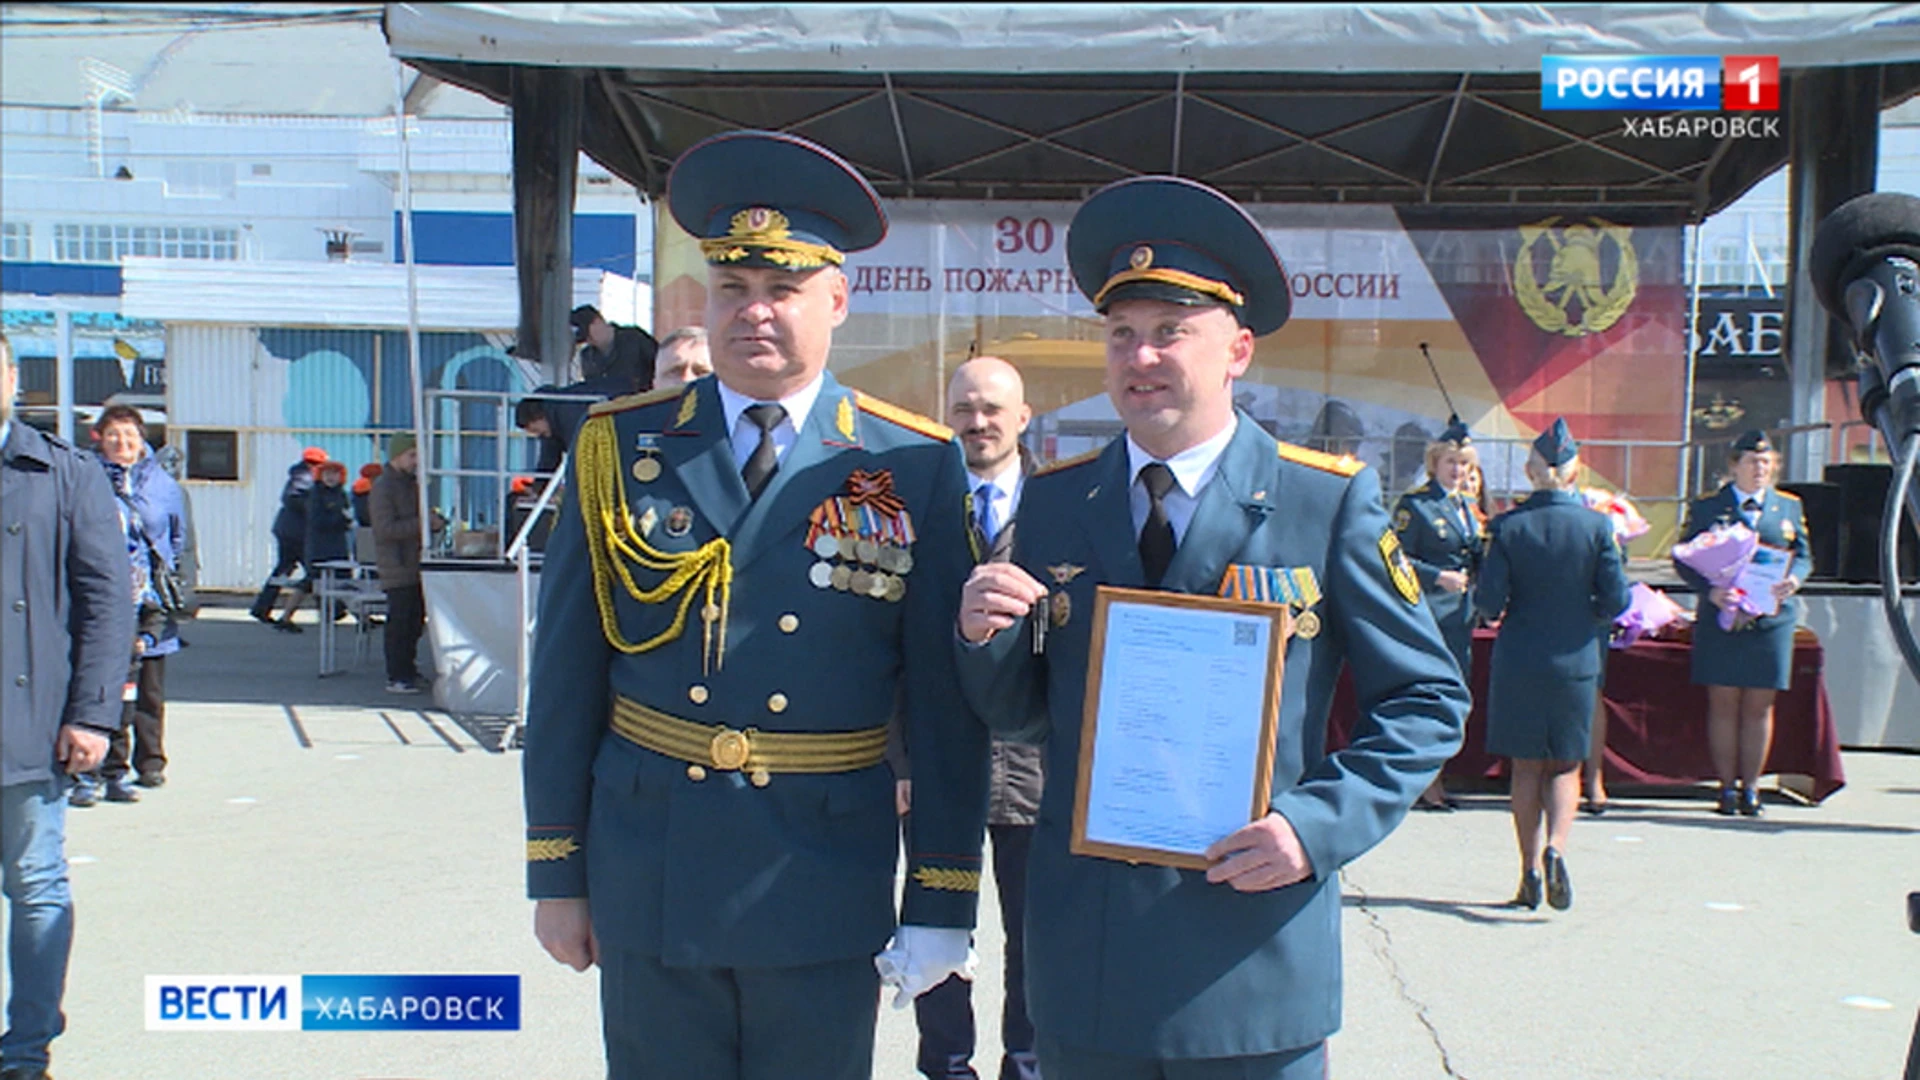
x,y
1176,240
766,199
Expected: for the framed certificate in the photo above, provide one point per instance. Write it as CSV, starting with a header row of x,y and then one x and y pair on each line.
x,y
1176,744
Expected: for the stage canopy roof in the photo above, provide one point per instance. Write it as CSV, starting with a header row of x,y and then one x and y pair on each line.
x,y
1435,105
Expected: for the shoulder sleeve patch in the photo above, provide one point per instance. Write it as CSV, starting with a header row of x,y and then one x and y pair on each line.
x,y
1067,463
1343,466
634,401
906,418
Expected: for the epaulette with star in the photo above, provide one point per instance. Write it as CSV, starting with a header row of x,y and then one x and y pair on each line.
x,y
1300,455
634,401
1066,463
906,418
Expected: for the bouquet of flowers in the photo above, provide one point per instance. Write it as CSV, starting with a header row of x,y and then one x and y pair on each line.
x,y
1720,555
1648,612
1627,522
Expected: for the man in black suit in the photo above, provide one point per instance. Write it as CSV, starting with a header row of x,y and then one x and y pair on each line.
x,y
987,408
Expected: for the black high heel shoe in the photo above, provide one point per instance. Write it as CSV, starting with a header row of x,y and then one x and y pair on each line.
x,y
1529,895
1729,801
1559,885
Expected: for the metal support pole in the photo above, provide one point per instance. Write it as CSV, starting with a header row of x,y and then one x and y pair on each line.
x,y
1834,134
63,374
415,377
1693,369
547,107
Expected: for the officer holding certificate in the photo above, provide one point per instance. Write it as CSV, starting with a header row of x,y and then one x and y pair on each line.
x,y
750,571
1233,970
1744,668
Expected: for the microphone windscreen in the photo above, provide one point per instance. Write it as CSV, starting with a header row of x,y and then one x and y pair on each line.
x,y
1864,228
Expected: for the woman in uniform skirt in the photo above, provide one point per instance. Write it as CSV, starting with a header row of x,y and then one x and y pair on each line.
x,y
1743,669
1553,568
1440,533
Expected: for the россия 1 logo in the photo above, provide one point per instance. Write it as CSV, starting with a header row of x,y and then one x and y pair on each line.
x,y
1660,83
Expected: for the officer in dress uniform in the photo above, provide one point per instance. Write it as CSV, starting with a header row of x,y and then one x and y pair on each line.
x,y
1147,971
1553,568
748,570
1742,670
1440,531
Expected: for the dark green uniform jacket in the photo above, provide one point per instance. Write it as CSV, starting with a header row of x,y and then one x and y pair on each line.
x,y
1154,962
702,867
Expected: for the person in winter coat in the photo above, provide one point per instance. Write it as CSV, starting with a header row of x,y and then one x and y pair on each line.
x,y
362,492
289,532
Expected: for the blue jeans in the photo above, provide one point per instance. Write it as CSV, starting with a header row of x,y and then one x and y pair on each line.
x,y
33,826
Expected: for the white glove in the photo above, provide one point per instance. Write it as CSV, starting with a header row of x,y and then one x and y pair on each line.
x,y
921,958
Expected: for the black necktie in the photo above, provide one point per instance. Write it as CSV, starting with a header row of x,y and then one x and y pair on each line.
x,y
1751,506
761,465
1156,536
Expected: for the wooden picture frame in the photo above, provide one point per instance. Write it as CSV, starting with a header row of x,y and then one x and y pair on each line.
x,y
1281,618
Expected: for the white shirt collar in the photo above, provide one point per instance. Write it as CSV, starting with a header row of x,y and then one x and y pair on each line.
x,y
1006,482
798,404
1740,497
1192,467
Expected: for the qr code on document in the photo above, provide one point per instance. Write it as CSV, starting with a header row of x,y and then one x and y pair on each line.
x,y
1246,632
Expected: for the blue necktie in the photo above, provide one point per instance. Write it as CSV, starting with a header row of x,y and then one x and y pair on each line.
x,y
989,523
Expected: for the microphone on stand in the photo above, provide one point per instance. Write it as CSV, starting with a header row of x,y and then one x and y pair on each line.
x,y
1865,267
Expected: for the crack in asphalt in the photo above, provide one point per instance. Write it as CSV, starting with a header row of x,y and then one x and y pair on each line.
x,y
1383,950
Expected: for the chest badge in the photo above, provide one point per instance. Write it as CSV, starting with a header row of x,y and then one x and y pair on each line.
x,y
1060,605
679,521
646,467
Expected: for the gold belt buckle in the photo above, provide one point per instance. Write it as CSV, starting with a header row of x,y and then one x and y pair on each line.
x,y
729,749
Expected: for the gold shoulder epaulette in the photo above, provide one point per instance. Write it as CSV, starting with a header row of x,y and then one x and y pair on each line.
x,y
634,401
1787,495
906,418
1344,466
1067,463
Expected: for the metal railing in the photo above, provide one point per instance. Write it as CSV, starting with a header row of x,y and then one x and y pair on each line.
x,y
472,454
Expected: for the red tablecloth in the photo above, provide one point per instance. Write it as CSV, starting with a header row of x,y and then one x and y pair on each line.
x,y
1657,720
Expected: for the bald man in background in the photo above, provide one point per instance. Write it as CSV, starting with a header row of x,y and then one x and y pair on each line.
x,y
987,409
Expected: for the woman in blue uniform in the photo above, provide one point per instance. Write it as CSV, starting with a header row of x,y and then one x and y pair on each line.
x,y
1742,670
1441,536
1553,568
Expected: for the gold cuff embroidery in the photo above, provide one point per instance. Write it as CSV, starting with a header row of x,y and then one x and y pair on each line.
x,y
947,879
551,848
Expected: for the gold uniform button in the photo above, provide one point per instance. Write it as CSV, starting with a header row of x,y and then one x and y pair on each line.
x,y
696,774
789,623
777,703
697,694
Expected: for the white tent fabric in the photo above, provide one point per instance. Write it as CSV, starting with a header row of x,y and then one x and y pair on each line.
x,y
1094,38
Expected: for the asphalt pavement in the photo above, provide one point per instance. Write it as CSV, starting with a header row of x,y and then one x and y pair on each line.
x,y
317,826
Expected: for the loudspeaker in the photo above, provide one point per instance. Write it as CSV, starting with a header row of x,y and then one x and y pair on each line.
x,y
1821,504
1863,492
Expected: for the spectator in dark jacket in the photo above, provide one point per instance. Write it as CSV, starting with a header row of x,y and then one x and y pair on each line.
x,y
362,488
397,542
329,520
289,533
625,354
64,628
329,517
